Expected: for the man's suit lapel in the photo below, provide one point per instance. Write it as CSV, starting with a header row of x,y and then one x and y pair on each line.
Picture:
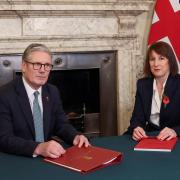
x,y
46,110
23,100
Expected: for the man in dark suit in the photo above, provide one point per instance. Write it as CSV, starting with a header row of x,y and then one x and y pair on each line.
x,y
31,110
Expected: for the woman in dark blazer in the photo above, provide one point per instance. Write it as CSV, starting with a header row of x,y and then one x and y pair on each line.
x,y
157,102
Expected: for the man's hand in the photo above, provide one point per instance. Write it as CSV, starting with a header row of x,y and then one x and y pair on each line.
x,y
50,149
166,134
139,133
81,140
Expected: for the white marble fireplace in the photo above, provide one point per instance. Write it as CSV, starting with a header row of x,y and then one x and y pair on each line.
x,y
83,25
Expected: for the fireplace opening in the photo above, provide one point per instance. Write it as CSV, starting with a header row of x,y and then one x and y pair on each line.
x,y
79,91
78,88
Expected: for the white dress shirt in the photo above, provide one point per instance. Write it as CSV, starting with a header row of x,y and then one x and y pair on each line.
x,y
156,104
30,92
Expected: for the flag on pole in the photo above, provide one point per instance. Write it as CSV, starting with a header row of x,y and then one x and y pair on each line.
x,y
166,24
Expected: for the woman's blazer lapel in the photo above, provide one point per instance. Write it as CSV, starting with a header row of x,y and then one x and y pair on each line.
x,y
147,97
169,91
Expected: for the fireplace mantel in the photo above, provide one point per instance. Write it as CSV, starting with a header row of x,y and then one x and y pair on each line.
x,y
82,25
68,25
126,5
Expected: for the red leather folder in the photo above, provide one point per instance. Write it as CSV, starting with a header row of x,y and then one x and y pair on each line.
x,y
153,144
86,159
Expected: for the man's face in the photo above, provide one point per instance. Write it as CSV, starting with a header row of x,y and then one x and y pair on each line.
x,y
36,77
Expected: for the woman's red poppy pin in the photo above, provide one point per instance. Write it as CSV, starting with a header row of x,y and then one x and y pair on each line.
x,y
166,100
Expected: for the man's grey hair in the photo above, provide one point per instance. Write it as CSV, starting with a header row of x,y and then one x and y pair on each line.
x,y
32,48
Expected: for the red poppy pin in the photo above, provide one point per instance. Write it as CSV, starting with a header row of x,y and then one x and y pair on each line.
x,y
166,101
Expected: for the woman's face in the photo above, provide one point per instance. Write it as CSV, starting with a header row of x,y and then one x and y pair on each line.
x,y
159,65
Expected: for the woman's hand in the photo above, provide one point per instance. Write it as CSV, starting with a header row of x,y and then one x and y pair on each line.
x,y
139,133
166,134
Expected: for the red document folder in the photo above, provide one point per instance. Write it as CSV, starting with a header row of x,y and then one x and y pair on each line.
x,y
86,159
153,144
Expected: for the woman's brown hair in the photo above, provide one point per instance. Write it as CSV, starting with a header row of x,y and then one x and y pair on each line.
x,y
164,49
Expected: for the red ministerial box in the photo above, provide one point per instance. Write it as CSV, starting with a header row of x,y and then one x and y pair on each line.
x,y
86,159
153,144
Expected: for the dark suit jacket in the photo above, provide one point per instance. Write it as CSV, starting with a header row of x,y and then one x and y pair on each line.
x,y
169,115
17,134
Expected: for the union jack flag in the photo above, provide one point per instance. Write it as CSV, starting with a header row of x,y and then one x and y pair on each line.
x,y
166,24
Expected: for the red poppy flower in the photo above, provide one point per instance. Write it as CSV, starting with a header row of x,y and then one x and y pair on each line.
x,y
166,100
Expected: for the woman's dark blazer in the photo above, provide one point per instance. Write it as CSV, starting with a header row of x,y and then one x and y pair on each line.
x,y
17,134
169,115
